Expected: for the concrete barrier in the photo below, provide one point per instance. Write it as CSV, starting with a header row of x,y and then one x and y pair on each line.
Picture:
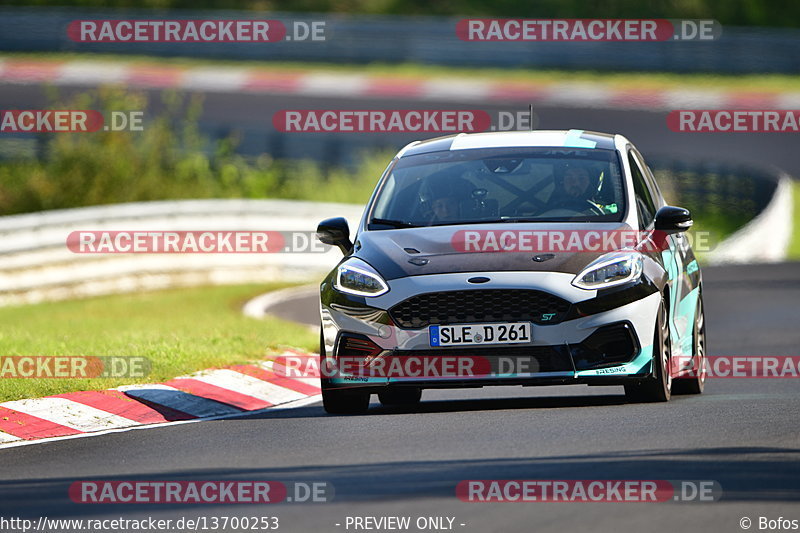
x,y
37,265
765,239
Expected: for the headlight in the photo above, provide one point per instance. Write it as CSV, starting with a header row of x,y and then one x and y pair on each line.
x,y
357,277
610,270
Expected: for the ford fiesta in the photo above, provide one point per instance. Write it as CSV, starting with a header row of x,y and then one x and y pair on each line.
x,y
514,258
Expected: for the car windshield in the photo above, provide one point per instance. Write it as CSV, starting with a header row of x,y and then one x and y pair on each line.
x,y
501,185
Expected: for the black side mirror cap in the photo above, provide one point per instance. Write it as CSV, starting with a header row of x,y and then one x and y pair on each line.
x,y
671,219
335,231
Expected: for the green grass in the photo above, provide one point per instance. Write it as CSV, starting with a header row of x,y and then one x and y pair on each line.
x,y
180,331
169,160
618,80
794,244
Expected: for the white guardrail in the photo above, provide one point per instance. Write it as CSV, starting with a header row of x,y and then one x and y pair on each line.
x,y
765,239
37,265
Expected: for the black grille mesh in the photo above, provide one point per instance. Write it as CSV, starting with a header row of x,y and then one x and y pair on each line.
x,y
479,305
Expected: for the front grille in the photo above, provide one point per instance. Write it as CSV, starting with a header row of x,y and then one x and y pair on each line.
x,y
480,305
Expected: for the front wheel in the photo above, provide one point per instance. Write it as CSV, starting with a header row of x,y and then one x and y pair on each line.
x,y
659,388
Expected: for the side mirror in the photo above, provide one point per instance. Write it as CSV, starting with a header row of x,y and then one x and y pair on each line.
x,y
335,231
671,219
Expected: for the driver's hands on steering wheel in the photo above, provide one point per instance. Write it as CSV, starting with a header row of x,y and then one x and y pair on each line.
x,y
584,207
572,207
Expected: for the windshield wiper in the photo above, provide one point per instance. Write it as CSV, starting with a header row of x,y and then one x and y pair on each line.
x,y
393,223
501,220
582,218
486,221
519,219
467,222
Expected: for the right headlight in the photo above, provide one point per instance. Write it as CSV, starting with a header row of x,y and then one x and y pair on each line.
x,y
609,270
357,277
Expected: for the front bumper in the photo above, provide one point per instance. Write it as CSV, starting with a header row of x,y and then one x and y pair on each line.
x,y
556,355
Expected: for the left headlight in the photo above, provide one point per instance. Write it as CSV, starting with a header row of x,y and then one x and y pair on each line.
x,y
610,270
357,277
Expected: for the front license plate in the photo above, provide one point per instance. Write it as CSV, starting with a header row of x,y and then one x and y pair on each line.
x,y
470,334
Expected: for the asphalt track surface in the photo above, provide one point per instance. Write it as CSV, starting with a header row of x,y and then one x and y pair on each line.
x,y
743,433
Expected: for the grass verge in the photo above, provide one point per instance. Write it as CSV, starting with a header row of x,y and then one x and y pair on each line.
x,y
180,331
794,243
617,80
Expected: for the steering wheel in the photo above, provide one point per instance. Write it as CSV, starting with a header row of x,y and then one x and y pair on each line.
x,y
573,208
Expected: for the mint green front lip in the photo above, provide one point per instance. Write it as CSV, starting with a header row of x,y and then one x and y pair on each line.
x,y
639,365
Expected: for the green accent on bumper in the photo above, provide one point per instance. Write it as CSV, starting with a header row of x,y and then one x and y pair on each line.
x,y
639,365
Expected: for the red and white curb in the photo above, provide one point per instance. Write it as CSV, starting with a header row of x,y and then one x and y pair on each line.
x,y
209,394
254,80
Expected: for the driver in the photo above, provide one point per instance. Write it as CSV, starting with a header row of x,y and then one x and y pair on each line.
x,y
577,187
448,197
446,209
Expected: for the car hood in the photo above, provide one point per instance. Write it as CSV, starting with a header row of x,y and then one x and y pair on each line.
x,y
397,253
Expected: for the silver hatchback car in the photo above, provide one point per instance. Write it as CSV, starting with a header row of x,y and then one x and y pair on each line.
x,y
514,258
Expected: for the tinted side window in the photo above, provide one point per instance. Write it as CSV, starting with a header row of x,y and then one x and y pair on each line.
x,y
655,190
644,201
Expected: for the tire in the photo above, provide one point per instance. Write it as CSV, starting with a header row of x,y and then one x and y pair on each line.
x,y
401,396
659,387
340,402
697,382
